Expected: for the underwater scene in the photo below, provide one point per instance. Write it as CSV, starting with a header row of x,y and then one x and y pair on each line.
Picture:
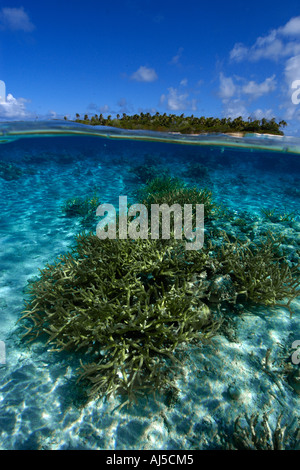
x,y
138,343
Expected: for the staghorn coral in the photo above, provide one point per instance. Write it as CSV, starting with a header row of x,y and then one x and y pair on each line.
x,y
274,216
160,185
84,208
170,190
128,302
258,272
148,171
258,435
132,303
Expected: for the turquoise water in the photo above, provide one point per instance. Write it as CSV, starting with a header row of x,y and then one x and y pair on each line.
x,y
43,165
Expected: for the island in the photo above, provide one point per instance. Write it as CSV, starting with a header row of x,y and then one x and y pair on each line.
x,y
185,124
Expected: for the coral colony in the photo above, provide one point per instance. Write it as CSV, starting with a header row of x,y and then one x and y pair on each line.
x,y
132,303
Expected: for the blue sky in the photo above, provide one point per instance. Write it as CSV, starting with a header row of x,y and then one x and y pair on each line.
x,y
204,58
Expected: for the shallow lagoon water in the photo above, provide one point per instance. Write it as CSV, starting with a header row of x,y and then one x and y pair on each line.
x,y
44,164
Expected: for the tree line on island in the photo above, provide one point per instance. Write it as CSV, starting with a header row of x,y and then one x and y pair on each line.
x,y
184,124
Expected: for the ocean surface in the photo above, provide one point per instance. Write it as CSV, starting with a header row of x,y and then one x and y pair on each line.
x,y
246,370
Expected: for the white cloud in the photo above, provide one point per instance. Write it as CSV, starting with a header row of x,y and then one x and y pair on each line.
x,y
281,45
104,109
144,74
227,87
235,108
176,101
237,96
184,82
260,113
177,57
193,104
292,69
268,47
124,106
239,52
94,108
14,108
272,49
255,90
15,19
278,43
291,28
